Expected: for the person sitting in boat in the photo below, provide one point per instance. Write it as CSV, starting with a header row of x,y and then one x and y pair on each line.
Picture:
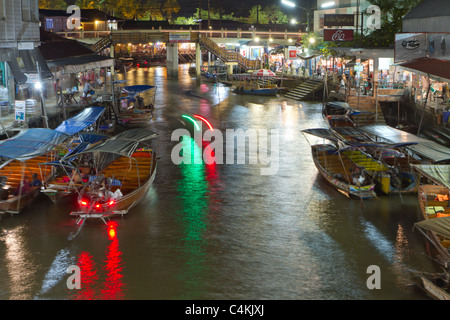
x,y
4,192
35,182
357,176
24,189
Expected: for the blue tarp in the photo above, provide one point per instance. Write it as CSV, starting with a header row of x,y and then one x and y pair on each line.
x,y
31,143
81,121
135,90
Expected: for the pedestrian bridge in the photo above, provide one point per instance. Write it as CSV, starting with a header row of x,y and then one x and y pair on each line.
x,y
205,39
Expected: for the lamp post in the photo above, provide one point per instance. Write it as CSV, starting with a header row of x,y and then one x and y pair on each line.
x,y
308,11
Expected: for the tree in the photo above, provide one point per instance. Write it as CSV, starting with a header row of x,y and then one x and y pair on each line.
x,y
53,4
130,9
274,14
257,15
153,10
169,7
85,4
392,13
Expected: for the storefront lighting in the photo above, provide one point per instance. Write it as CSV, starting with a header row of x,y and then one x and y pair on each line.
x,y
270,39
257,39
38,85
312,40
290,40
293,21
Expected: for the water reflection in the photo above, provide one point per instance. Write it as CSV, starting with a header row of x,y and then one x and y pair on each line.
x,y
93,286
193,217
18,263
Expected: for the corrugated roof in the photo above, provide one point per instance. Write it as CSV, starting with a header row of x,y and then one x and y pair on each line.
x,y
434,67
429,9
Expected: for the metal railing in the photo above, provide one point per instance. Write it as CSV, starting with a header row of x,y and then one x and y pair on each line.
x,y
212,33
228,56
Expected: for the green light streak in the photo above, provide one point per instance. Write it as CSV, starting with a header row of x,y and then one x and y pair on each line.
x,y
193,120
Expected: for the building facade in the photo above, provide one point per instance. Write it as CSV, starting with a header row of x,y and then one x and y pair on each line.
x,y
338,7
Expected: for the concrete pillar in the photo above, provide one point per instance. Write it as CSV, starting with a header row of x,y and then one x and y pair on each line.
x,y
112,54
198,59
230,67
172,59
375,70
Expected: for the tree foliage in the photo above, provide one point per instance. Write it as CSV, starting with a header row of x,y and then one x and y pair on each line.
x,y
53,4
392,13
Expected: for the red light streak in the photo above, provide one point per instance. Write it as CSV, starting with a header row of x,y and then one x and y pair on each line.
x,y
205,121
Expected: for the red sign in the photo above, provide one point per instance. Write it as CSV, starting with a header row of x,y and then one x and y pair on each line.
x,y
337,35
292,53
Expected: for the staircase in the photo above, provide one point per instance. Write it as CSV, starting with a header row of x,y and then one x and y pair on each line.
x,y
101,44
365,103
306,90
228,56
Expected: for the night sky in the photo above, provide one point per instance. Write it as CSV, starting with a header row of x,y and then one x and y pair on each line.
x,y
239,7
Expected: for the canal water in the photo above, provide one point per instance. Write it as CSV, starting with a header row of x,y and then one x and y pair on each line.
x,y
221,231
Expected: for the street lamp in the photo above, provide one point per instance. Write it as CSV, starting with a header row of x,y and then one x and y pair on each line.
x,y
288,3
327,4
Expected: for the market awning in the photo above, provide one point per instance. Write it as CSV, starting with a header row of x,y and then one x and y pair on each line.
x,y
82,63
439,225
125,143
438,173
30,143
425,148
435,68
81,121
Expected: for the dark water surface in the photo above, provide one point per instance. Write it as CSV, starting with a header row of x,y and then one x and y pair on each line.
x,y
221,231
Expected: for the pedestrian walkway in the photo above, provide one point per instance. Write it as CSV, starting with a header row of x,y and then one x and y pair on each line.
x,y
54,110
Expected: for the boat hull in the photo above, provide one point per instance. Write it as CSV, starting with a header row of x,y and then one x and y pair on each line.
x,y
353,191
125,203
432,208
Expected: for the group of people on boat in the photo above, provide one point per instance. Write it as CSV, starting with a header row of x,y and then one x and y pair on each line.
x,y
23,188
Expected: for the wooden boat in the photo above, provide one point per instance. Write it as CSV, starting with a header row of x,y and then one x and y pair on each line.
x,y
82,131
60,187
435,285
337,114
256,90
133,109
387,179
21,174
389,167
433,199
124,175
338,169
252,84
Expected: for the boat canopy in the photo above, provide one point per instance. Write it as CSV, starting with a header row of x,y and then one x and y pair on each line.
x,y
439,225
81,121
425,148
137,89
322,133
438,173
137,134
30,143
124,144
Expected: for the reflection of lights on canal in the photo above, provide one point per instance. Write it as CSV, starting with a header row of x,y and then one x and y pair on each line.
x,y
113,285
193,194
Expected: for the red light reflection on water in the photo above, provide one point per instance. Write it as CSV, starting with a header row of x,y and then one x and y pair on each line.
x,y
88,277
112,285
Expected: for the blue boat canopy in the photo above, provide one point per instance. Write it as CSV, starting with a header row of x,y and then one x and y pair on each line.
x,y
30,143
81,121
137,89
